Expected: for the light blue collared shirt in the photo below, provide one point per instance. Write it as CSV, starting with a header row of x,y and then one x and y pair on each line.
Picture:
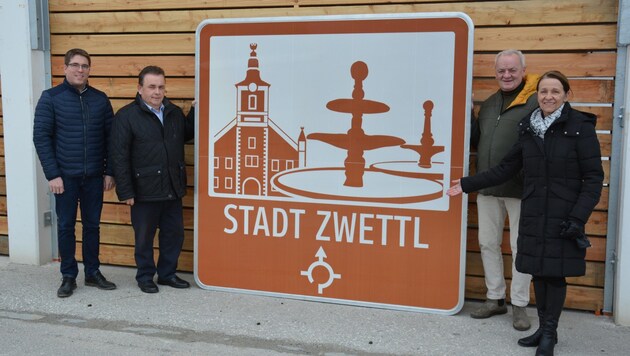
x,y
158,113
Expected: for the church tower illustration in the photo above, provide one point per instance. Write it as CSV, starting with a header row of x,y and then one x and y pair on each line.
x,y
252,148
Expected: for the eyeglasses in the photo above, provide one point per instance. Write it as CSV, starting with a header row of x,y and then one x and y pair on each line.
x,y
76,66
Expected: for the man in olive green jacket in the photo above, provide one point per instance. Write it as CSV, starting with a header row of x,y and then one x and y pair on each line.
x,y
493,134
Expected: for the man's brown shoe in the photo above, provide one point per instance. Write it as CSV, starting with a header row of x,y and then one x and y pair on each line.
x,y
520,321
489,308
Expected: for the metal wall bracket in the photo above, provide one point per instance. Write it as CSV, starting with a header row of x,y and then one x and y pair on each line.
x,y
48,218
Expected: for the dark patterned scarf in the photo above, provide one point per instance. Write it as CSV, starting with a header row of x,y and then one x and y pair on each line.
x,y
540,124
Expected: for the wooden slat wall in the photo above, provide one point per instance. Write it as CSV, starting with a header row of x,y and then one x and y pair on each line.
x,y
575,36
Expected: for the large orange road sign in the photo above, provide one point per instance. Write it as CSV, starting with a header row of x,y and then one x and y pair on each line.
x,y
324,149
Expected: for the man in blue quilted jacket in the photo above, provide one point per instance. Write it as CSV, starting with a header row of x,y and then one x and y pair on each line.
x,y
71,136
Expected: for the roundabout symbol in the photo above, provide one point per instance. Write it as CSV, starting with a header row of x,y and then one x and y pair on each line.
x,y
321,255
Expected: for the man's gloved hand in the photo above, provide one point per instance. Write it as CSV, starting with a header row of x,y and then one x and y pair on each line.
x,y
574,230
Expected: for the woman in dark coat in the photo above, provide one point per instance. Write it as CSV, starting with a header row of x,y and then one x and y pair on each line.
x,y
559,154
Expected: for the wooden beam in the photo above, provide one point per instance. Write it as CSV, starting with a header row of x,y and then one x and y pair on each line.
x,y
190,175
120,214
189,154
589,64
4,225
115,234
601,205
554,38
492,39
596,253
594,277
596,226
184,104
583,90
578,297
123,256
177,88
101,5
130,66
3,205
188,200
605,167
492,13
605,143
603,200
4,245
591,90
604,115
127,44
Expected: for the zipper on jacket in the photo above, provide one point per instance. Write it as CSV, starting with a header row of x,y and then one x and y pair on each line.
x,y
496,124
85,116
490,149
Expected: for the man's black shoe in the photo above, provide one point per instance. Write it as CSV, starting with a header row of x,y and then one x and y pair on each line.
x,y
148,287
99,281
68,284
174,282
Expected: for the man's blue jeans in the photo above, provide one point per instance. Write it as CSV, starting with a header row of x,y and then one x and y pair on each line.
x,y
86,192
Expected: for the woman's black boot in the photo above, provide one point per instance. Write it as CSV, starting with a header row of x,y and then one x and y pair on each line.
x,y
540,291
556,294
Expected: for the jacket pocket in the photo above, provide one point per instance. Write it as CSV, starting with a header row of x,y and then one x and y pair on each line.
x,y
149,181
564,192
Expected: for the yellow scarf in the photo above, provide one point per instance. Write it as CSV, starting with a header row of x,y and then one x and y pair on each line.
x,y
531,81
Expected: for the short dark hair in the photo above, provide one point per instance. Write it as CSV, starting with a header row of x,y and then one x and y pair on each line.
x,y
554,74
149,70
76,51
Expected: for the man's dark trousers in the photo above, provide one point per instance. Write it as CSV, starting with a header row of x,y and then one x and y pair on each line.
x,y
87,193
146,217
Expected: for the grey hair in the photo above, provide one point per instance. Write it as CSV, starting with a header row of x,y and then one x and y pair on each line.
x,y
508,52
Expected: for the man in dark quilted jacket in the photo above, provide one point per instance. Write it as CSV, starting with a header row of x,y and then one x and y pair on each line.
x,y
148,160
71,134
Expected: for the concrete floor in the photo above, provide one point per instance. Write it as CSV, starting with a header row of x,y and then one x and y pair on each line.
x,y
33,321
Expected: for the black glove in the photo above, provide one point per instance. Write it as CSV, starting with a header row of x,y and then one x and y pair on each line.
x,y
574,230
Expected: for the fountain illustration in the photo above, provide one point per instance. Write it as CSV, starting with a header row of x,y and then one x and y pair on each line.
x,y
426,148
356,141
389,181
